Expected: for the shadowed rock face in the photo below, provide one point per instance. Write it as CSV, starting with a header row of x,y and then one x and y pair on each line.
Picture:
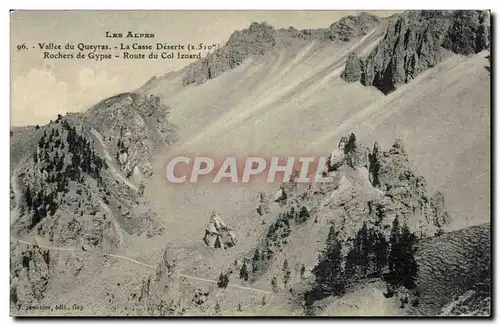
x,y
414,42
469,33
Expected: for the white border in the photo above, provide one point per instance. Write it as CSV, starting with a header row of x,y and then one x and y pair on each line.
x,y
186,4
256,4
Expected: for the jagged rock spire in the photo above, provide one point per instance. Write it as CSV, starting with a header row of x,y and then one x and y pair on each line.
x,y
354,67
217,234
166,265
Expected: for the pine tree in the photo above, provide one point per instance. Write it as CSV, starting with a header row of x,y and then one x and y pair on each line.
x,y
286,272
274,284
302,271
255,260
409,266
244,272
380,248
374,167
329,274
352,263
223,280
402,263
358,258
394,255
365,249
308,304
28,197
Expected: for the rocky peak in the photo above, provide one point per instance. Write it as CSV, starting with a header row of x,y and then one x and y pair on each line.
x,y
354,68
166,265
256,33
390,171
369,191
440,216
350,27
71,183
261,38
64,165
469,33
217,234
132,127
355,155
255,40
414,42
337,156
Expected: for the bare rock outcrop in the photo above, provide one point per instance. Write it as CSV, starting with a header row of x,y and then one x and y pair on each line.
x,y
405,193
438,209
354,68
263,208
345,29
30,275
370,194
469,33
348,152
255,40
414,42
217,234
351,27
133,126
336,158
159,293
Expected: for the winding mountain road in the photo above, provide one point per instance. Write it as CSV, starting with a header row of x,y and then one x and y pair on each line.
x,y
136,262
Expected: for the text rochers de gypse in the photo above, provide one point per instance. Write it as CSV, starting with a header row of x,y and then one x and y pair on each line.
x,y
134,50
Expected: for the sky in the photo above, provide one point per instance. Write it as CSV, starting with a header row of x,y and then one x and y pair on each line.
x,y
42,88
